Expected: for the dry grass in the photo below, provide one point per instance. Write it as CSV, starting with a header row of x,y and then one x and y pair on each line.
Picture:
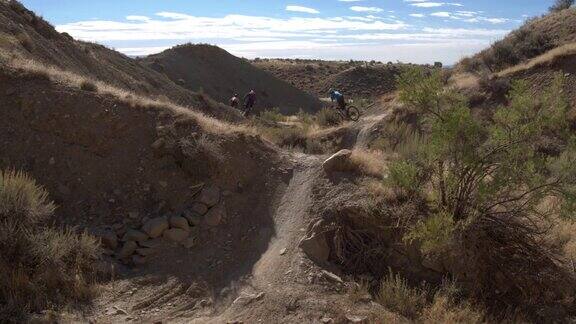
x,y
208,124
445,309
371,163
396,295
40,267
203,145
546,58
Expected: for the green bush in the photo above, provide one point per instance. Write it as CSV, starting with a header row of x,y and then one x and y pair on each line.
x,y
40,267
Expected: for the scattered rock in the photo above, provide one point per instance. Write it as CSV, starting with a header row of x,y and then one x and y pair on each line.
x,y
145,252
52,161
338,162
189,242
109,239
120,311
210,196
158,145
128,249
193,218
199,208
283,251
139,260
133,215
179,222
357,319
215,215
135,235
246,298
315,245
156,226
327,320
176,234
332,277
151,244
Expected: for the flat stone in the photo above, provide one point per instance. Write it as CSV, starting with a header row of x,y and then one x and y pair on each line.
x,y
152,244
135,235
147,251
215,215
210,196
189,242
139,260
193,218
156,226
199,208
128,249
108,238
315,246
338,162
179,222
176,234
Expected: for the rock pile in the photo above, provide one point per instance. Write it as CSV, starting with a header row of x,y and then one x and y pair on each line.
x,y
137,245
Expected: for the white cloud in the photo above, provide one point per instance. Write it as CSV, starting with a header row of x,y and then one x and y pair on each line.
x,y
366,9
350,0
417,15
302,9
356,37
443,14
426,4
137,18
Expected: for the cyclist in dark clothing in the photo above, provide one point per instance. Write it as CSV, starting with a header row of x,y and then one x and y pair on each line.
x,y
235,101
339,98
249,102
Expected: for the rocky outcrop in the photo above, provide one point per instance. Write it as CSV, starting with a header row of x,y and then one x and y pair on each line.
x,y
339,162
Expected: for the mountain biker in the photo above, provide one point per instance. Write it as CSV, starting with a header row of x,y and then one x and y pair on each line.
x,y
235,101
339,98
249,102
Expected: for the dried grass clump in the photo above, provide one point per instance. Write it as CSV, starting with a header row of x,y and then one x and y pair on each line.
x,y
88,86
40,267
396,295
370,163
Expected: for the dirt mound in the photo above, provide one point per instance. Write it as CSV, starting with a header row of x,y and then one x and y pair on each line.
x,y
308,76
212,70
364,82
27,35
356,79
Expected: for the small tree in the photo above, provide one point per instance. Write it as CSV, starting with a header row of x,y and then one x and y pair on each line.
x,y
560,5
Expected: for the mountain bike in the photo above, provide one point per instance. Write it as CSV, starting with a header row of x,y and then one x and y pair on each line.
x,y
349,113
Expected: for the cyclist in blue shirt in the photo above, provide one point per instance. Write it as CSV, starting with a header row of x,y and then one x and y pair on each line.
x,y
339,98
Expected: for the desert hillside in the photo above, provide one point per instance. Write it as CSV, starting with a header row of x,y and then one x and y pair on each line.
x,y
537,36
129,194
219,74
358,80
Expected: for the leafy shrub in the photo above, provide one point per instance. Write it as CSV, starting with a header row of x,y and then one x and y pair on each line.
x,y
433,233
39,267
489,181
328,117
88,86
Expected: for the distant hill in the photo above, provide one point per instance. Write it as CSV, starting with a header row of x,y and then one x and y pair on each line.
x,y
356,79
219,74
535,37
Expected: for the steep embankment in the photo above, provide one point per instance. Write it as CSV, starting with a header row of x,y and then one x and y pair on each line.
x,y
220,75
27,35
537,36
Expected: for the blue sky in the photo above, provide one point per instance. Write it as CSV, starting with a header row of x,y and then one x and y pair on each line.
x,y
419,31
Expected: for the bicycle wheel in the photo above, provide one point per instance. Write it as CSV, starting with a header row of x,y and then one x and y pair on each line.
x,y
353,113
